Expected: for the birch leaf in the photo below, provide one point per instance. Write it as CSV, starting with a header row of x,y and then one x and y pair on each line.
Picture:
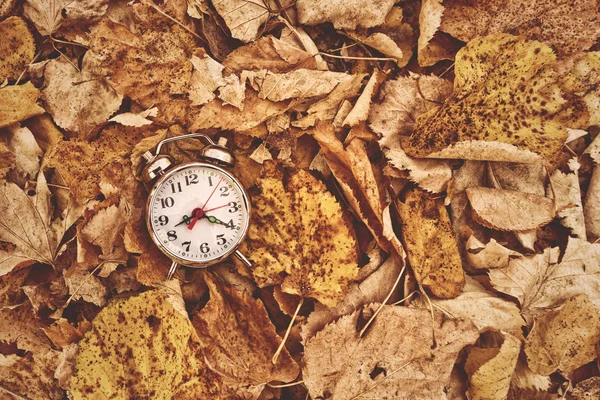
x,y
402,365
299,238
507,92
243,17
509,210
168,362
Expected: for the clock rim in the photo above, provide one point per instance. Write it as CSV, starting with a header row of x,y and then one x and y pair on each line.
x,y
182,261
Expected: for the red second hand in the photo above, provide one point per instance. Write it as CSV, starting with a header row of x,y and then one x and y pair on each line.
x,y
199,213
216,208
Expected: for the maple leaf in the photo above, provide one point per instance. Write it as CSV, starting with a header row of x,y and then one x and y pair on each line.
x,y
18,102
509,210
168,363
344,14
27,223
540,281
18,45
485,309
430,245
402,365
506,98
564,339
568,26
239,340
78,101
299,238
490,369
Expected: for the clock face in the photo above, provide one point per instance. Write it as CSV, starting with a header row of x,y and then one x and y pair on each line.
x,y
198,214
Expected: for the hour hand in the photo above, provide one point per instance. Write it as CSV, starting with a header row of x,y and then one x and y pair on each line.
x,y
186,220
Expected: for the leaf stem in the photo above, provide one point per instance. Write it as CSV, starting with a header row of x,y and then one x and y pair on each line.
x,y
287,333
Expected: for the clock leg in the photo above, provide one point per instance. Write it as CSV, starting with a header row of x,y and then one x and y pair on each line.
x,y
172,270
242,258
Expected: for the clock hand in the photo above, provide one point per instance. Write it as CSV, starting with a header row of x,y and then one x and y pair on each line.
x,y
216,208
215,220
198,214
213,192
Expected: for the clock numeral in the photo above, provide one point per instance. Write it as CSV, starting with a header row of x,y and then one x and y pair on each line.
x,y
171,235
224,191
176,187
187,245
167,202
191,179
234,207
210,182
204,248
221,240
230,224
163,220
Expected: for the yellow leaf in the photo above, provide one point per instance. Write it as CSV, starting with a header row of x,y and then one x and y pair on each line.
x,y
507,92
18,103
299,238
141,347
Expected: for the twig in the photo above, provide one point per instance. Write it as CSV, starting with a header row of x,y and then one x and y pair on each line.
x,y
357,58
284,385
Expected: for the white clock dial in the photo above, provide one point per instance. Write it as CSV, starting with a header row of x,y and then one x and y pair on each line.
x,y
198,214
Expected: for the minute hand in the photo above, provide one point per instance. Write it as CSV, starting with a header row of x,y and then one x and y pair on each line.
x,y
216,220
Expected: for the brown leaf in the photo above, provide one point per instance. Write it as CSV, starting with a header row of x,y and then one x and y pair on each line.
x,y
485,309
565,190
430,19
570,27
587,388
348,14
584,79
401,365
78,101
86,286
50,16
539,281
18,102
430,245
509,210
490,255
239,340
30,375
269,53
141,347
490,374
360,111
300,238
506,98
62,333
17,47
591,207
26,153
564,339
243,17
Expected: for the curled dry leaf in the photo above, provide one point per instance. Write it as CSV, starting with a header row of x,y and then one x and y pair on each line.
x,y
269,53
540,282
78,101
17,47
402,365
509,210
137,120
299,238
141,347
430,19
569,27
486,310
18,102
565,190
490,369
430,245
238,340
591,207
349,14
243,17
564,339
506,98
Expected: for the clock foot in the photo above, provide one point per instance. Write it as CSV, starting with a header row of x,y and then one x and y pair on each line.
x,y
242,258
172,270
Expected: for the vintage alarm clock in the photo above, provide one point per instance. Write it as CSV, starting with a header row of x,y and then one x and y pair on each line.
x,y
197,213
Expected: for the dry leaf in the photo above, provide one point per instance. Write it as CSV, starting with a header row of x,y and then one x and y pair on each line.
x,y
238,340
50,16
564,339
26,153
509,210
348,14
583,79
27,222
269,53
243,17
30,375
506,98
360,112
141,347
525,378
591,207
299,238
430,245
489,377
564,188
486,310
430,19
20,326
587,389
78,101
18,102
62,333
539,281
490,255
17,47
569,27
86,286
136,120
340,364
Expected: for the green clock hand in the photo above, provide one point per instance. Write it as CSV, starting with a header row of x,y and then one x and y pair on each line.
x,y
215,220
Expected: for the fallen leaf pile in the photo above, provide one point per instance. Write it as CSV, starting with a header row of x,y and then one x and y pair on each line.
x,y
425,188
